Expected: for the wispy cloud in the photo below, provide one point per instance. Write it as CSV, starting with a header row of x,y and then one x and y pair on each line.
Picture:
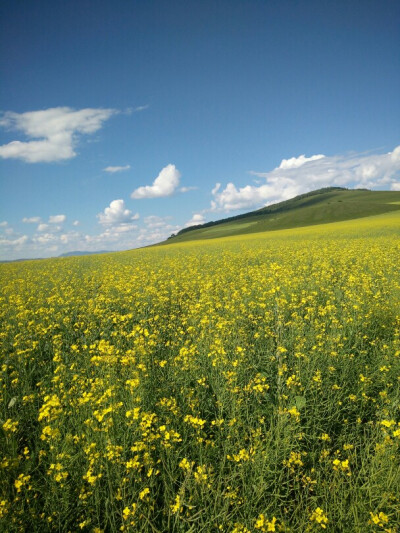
x,y
31,220
112,170
138,109
187,189
54,132
165,184
303,174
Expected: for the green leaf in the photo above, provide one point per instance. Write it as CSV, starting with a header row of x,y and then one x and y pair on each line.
x,y
300,402
12,402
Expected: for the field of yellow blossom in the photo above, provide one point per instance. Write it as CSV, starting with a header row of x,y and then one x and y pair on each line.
x,y
241,385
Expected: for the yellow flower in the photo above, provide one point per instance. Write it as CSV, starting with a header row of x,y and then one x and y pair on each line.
x,y
265,525
294,413
200,474
388,423
10,426
143,494
176,507
129,511
21,482
319,517
185,464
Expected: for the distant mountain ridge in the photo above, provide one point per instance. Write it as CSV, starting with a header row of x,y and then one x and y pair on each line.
x,y
330,204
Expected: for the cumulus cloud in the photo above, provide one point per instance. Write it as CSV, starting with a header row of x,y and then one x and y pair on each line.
x,y
196,219
53,133
75,223
3,224
31,220
303,174
116,214
57,219
165,184
112,170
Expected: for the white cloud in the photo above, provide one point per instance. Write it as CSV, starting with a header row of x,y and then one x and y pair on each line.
x,y
3,224
70,237
115,237
75,223
165,184
43,227
57,219
116,214
14,243
52,228
151,236
154,221
295,162
187,189
31,220
299,175
196,219
54,132
156,229
112,170
45,238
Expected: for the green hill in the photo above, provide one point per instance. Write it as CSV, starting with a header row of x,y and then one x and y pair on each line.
x,y
332,204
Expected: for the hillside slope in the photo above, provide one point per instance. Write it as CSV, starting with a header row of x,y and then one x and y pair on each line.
x,y
317,207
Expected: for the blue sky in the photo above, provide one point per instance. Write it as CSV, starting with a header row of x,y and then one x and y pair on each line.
x,y
123,121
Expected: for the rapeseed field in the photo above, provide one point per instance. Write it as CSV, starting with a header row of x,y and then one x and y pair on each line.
x,y
243,385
